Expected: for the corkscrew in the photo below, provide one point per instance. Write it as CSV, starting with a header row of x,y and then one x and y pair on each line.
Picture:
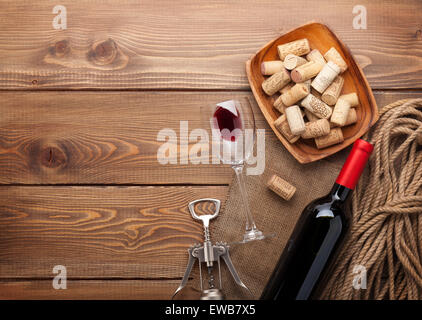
x,y
209,254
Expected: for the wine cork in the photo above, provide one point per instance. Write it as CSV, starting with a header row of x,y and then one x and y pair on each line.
x,y
310,116
315,93
298,47
276,82
352,118
292,61
316,106
340,112
268,68
295,119
316,129
281,187
316,56
296,93
287,87
334,56
332,93
306,71
279,105
335,136
283,127
308,83
325,77
352,98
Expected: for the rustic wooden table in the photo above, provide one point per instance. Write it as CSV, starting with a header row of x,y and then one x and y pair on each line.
x,y
80,110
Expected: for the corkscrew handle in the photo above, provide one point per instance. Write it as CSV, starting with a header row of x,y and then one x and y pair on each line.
x,y
206,217
208,249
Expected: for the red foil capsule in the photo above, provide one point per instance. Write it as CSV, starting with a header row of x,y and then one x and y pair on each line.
x,y
355,163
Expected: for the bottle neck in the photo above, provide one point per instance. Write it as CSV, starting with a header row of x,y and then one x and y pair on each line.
x,y
340,193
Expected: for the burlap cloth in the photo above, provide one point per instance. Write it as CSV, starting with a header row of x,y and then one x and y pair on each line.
x,y
256,260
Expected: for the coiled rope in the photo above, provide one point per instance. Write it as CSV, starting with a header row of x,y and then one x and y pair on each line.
x,y
386,230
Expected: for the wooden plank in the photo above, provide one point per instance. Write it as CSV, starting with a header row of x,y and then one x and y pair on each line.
x,y
386,97
161,44
108,137
81,227
100,138
99,232
95,289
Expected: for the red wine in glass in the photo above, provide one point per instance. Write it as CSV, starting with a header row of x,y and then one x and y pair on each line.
x,y
227,121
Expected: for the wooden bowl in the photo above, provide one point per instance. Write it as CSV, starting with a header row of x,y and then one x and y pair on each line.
x,y
322,38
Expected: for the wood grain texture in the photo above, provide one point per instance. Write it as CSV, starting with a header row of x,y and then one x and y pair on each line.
x,y
108,137
95,289
386,97
161,44
129,242
100,138
117,242
99,232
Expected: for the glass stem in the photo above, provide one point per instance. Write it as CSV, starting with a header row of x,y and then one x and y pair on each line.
x,y
250,223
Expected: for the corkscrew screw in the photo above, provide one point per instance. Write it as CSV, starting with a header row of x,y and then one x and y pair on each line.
x,y
209,254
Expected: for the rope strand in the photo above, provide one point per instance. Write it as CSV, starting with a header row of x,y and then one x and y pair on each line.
x,y
386,233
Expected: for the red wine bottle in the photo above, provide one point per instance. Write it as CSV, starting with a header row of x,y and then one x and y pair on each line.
x,y
316,239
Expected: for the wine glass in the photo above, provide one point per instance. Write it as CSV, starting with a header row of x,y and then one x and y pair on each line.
x,y
233,133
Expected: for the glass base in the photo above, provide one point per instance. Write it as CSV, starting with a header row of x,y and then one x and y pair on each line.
x,y
254,234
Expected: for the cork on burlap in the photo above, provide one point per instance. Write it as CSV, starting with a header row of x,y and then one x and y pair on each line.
x,y
256,260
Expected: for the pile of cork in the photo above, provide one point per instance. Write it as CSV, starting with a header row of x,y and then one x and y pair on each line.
x,y
306,78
